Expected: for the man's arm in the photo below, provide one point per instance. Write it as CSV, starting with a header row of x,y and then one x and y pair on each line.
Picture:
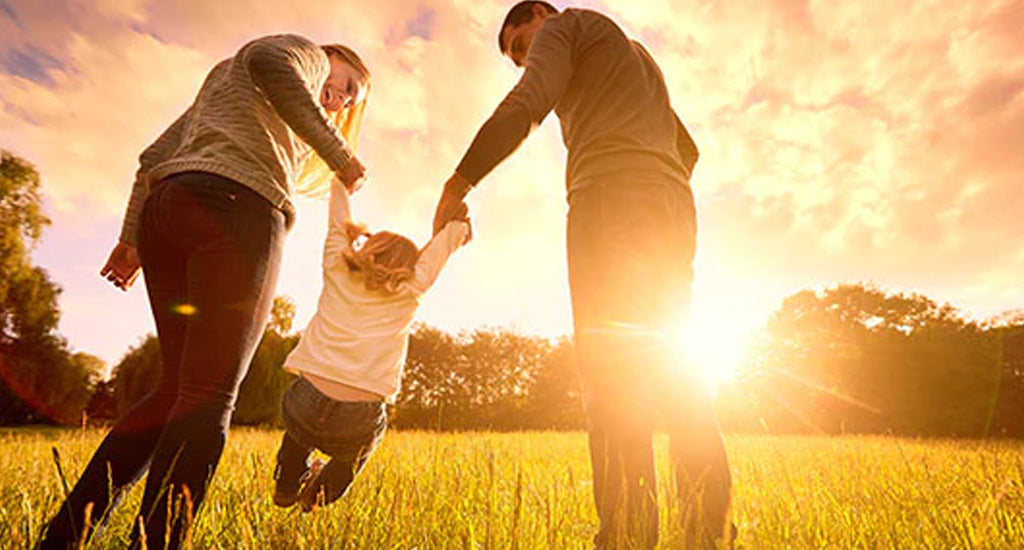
x,y
547,74
450,205
548,69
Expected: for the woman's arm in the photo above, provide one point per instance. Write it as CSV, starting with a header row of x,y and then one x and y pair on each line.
x,y
123,265
159,151
290,71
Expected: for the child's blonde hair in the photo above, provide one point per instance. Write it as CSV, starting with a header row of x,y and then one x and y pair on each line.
x,y
385,260
314,178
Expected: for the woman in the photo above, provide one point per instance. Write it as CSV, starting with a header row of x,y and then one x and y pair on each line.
x,y
206,222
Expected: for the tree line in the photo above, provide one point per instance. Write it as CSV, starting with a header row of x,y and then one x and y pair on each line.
x,y
487,379
852,358
41,379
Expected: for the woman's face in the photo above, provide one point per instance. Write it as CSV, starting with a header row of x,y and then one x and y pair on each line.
x,y
344,87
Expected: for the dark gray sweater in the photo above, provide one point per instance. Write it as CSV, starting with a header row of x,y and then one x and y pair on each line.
x,y
610,98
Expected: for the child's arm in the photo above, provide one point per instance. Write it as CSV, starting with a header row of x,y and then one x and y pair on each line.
x,y
341,229
435,255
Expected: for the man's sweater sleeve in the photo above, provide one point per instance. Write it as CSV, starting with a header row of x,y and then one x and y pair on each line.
x,y
548,71
290,71
161,149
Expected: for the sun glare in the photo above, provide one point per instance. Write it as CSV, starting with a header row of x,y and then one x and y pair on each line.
x,y
713,348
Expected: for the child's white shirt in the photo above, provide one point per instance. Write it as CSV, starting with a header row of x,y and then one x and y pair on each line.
x,y
359,337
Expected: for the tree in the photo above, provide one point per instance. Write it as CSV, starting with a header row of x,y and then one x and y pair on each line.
x,y
137,374
1007,332
102,407
259,397
39,379
487,379
555,400
854,358
427,384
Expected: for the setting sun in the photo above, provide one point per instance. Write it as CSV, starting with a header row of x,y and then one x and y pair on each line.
x,y
714,348
720,323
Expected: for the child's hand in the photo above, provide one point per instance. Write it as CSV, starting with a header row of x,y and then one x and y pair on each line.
x,y
355,230
469,232
462,214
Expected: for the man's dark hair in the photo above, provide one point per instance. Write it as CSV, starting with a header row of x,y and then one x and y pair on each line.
x,y
519,14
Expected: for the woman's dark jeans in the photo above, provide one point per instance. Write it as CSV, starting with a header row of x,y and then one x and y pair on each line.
x,y
210,251
630,251
346,431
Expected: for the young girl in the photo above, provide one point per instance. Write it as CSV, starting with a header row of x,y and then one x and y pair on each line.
x,y
350,358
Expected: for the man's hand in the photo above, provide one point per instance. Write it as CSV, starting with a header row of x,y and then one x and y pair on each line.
x,y
123,266
353,175
461,213
450,206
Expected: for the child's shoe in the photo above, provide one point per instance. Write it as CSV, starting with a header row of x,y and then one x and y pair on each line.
x,y
310,493
284,496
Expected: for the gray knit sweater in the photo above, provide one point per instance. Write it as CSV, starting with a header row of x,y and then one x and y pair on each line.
x,y
610,98
254,120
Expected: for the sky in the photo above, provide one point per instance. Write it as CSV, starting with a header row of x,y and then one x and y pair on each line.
x,y
840,142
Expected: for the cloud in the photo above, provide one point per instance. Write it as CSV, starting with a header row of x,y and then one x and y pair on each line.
x,y
853,140
118,74
840,141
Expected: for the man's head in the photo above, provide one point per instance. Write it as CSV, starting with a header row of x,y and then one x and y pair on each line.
x,y
520,25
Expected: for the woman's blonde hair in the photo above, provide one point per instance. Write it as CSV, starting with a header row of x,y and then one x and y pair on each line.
x,y
315,176
385,260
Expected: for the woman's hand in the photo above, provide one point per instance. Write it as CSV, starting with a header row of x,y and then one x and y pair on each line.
x,y
123,266
353,175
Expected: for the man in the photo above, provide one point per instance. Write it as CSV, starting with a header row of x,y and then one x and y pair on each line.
x,y
631,239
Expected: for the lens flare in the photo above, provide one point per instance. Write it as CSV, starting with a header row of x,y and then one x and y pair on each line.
x,y
185,309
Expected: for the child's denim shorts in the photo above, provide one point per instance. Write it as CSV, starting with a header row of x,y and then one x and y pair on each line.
x,y
337,428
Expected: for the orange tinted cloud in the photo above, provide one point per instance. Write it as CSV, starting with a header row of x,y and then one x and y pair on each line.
x,y
839,141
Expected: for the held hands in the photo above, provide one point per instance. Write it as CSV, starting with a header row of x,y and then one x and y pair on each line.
x,y
461,213
123,266
451,205
353,175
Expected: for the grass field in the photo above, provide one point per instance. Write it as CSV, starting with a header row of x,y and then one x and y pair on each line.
x,y
532,491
